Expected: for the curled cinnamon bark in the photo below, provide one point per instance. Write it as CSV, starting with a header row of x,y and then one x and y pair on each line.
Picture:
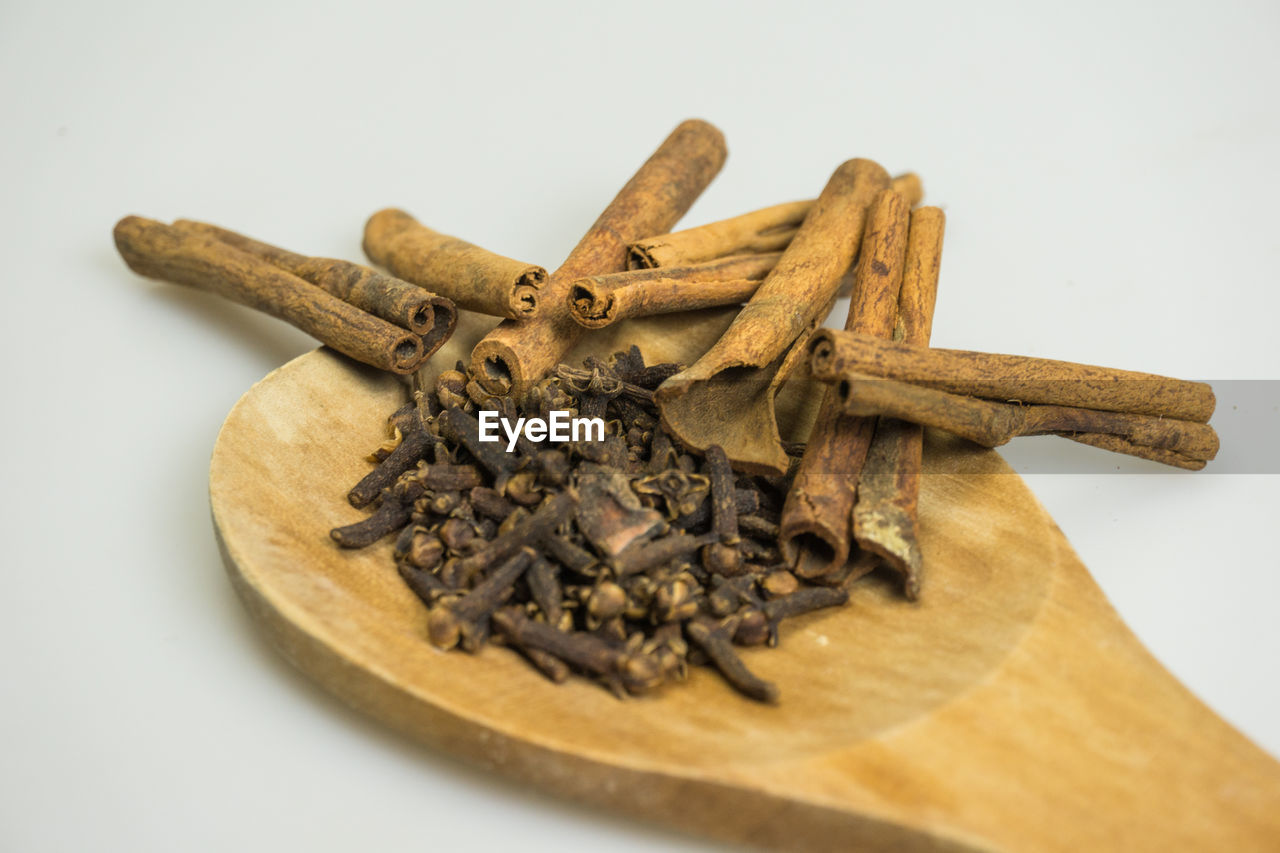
x,y
474,278
517,353
1016,378
815,527
884,516
602,300
1120,444
769,229
992,424
727,396
420,311
197,260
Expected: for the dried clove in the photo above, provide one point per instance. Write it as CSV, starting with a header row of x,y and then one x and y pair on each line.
x,y
800,602
488,503
553,512
722,557
425,585
389,517
716,643
458,621
643,556
458,426
621,670
546,591
599,557
414,442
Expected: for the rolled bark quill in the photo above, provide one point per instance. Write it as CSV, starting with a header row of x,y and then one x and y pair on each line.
x,y
769,229
741,374
181,256
1186,444
884,515
814,533
407,305
602,300
1120,444
517,353
474,278
1014,378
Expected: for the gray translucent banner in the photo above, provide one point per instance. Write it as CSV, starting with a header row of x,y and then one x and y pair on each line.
x,y
1246,418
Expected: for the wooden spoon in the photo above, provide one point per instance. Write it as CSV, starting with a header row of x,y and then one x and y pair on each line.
x,y
1010,709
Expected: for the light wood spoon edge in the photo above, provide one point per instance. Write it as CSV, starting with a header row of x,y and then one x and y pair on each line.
x,y
1078,737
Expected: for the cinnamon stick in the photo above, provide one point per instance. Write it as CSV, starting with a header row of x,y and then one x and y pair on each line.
x,y
741,374
1015,378
474,278
992,424
884,515
1120,444
407,305
770,229
517,353
602,300
815,529
162,251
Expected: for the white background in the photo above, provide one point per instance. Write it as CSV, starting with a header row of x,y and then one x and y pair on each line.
x,y
1109,173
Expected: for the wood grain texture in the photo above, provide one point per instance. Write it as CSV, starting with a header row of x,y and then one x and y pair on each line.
x,y
1009,709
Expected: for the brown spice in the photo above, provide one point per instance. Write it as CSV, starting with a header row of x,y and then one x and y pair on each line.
x,y
799,603
422,312
414,442
1120,444
465,619
602,300
770,229
609,514
992,424
742,372
423,584
643,556
716,642
614,588
546,592
1012,378
884,516
162,251
722,557
815,527
518,353
474,278
550,515
618,668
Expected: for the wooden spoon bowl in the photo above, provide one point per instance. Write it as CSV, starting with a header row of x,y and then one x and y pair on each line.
x,y
1009,709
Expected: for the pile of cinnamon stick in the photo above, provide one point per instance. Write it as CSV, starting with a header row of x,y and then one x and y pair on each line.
x,y
851,497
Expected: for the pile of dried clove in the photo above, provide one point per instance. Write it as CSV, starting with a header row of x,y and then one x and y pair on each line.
x,y
624,560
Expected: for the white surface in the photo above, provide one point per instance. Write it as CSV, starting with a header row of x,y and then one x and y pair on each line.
x,y
1109,176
